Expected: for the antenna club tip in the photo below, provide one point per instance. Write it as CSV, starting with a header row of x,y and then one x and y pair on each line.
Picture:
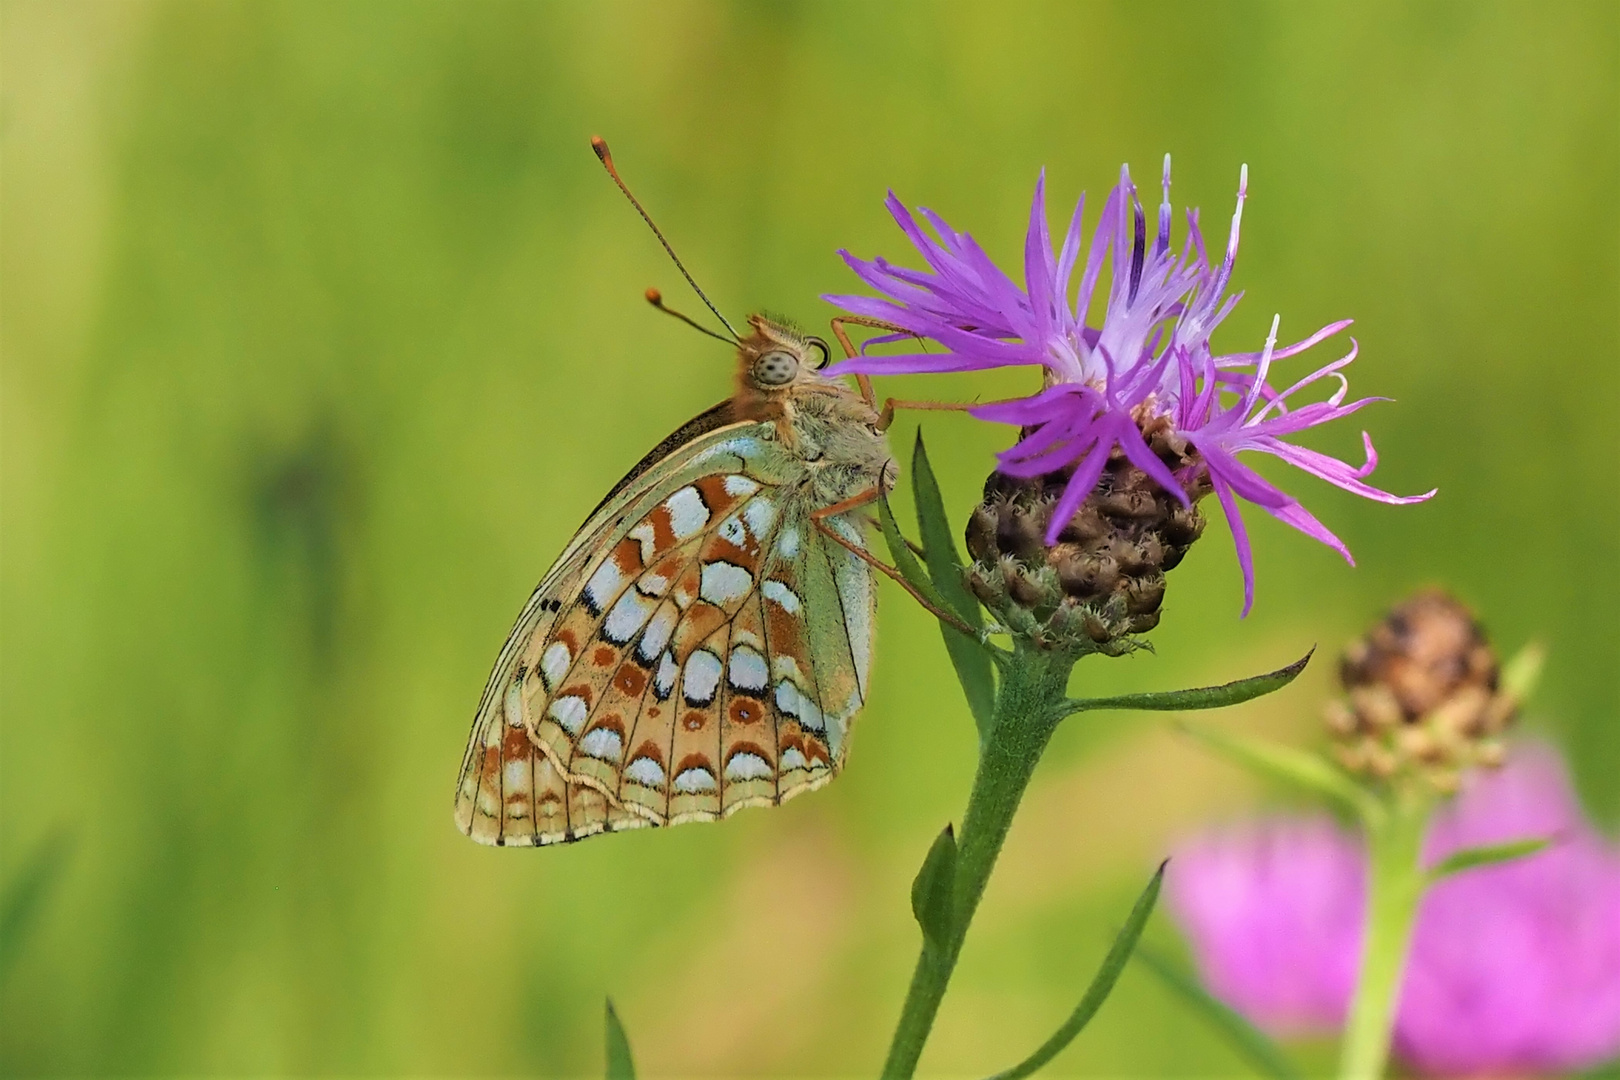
x,y
600,145
655,298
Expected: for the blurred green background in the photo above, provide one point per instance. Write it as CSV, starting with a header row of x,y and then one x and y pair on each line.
x,y
322,330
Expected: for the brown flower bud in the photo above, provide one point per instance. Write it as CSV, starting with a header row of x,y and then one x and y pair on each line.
x,y
1109,560
1421,695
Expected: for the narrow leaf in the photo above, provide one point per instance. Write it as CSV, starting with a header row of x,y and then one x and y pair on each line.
x,y
619,1064
1253,1044
1485,855
931,891
973,665
1101,984
1204,697
1297,767
26,892
905,561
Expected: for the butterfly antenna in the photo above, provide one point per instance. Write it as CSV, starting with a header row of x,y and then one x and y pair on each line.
x,y
600,145
656,299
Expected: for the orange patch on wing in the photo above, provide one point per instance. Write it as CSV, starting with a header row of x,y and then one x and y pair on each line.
x,y
815,750
695,761
630,681
750,748
515,743
715,496
663,532
579,690
694,720
746,710
702,619
627,555
720,548
613,722
568,639
650,749
605,655
783,629
670,567
687,586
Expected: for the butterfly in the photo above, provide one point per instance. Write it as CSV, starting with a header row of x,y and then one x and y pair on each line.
x,y
704,642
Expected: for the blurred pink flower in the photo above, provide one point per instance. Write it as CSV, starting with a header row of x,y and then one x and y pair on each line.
x,y
1513,967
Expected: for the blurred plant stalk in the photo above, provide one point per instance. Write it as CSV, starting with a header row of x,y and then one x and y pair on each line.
x,y
1425,699
1395,887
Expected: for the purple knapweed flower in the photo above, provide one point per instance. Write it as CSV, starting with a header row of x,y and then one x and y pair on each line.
x,y
1513,968
1148,367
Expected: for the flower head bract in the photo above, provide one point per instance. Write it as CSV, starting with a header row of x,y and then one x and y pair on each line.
x,y
1144,383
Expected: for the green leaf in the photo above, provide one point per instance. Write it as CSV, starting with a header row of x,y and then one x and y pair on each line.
x,y
1297,767
931,891
1204,697
1253,1044
25,894
974,669
619,1063
904,560
1101,984
1485,855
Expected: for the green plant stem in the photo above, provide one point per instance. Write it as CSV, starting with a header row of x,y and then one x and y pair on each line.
x,y
1395,885
1028,707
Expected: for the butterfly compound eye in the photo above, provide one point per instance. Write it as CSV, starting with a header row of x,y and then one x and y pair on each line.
x,y
776,368
823,354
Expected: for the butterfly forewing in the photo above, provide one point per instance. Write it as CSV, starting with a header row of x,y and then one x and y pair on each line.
x,y
701,648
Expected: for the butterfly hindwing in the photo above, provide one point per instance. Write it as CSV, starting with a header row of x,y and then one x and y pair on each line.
x,y
632,673
492,758
699,648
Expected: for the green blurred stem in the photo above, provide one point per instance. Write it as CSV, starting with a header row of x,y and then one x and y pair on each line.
x,y
1395,887
1029,705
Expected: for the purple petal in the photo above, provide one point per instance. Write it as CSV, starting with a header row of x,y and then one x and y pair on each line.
x,y
1079,489
1234,519
1292,513
1149,356
1139,454
1337,472
1071,251
1288,350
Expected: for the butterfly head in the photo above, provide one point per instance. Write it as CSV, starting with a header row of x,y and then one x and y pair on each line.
x,y
776,356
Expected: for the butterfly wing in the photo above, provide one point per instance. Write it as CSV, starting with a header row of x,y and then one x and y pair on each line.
x,y
508,792
700,647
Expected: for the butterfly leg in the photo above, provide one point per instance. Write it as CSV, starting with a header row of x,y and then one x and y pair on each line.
x,y
850,352
871,495
886,414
